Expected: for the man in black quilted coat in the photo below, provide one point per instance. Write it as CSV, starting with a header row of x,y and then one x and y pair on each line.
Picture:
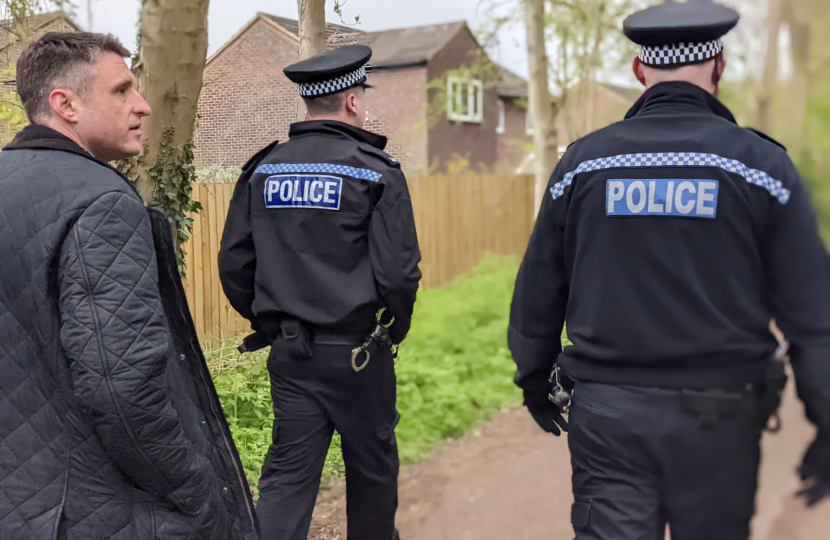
x,y
110,427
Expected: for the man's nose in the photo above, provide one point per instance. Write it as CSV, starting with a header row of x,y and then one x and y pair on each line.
x,y
142,108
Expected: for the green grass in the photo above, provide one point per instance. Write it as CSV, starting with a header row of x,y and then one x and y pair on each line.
x,y
454,371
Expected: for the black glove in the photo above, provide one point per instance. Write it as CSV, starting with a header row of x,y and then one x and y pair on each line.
x,y
815,469
536,387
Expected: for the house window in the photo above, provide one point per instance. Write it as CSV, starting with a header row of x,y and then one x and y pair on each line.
x,y
500,127
465,100
528,122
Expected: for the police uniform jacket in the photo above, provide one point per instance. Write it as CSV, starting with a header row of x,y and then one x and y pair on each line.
x,y
321,229
667,242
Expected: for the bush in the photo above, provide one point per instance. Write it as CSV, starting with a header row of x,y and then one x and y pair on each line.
x,y
216,174
454,371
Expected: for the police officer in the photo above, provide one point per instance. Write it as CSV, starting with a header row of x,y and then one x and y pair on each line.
x,y
319,246
667,242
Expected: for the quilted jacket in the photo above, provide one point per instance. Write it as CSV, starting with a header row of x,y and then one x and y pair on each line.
x,y
110,427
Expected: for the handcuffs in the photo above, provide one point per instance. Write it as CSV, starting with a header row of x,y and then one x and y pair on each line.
x,y
380,335
558,395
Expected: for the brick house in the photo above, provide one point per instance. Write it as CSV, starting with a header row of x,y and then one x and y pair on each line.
x,y
11,47
591,106
431,114
515,135
585,108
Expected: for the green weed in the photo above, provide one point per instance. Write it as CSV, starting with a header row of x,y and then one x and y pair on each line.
x,y
454,371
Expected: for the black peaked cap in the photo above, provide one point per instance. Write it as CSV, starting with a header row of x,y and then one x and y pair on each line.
x,y
671,23
329,65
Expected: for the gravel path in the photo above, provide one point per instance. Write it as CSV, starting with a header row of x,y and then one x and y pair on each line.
x,y
510,481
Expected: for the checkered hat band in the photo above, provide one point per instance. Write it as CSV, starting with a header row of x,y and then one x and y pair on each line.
x,y
332,86
680,53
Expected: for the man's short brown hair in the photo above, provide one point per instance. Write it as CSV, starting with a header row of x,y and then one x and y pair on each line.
x,y
60,60
326,105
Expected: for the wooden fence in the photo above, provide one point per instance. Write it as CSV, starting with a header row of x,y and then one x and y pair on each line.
x,y
458,218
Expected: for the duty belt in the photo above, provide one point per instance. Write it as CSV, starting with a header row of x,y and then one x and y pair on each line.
x,y
259,340
378,338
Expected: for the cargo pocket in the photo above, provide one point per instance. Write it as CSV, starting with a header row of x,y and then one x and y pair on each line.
x,y
387,431
581,515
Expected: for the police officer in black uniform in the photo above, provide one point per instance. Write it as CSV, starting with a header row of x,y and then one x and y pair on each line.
x,y
320,253
667,242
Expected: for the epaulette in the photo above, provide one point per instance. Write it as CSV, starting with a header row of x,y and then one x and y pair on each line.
x,y
767,137
256,158
386,158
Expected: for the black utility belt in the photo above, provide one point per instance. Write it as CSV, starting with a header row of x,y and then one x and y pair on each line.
x,y
336,339
709,407
262,339
294,339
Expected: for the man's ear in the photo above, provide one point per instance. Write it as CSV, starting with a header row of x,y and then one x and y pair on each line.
x,y
64,104
351,103
717,72
722,63
637,68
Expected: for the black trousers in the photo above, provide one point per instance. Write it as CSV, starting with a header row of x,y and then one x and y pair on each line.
x,y
312,398
640,463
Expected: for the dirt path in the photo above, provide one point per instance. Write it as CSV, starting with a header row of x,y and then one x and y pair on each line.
x,y
510,481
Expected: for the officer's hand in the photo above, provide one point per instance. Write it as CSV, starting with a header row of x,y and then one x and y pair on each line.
x,y
536,388
815,470
550,420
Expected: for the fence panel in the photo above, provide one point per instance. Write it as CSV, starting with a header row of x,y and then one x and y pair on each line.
x,y
459,218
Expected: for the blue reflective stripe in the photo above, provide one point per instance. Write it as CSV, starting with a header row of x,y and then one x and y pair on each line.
x,y
677,159
327,168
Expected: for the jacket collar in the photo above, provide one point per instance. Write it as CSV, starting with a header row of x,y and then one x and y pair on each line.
x,y
36,137
333,128
679,96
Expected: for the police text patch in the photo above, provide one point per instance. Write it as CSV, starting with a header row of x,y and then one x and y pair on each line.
x,y
675,197
303,191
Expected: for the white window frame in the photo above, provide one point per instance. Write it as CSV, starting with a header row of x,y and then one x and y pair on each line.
x,y
460,90
501,126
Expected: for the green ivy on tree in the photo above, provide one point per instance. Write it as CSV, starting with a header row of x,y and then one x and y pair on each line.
x,y
173,179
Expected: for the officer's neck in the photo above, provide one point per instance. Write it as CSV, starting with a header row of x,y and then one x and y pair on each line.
x,y
690,74
343,117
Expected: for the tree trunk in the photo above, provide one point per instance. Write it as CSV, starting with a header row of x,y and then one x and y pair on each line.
x,y
171,59
591,69
539,104
801,37
313,36
763,119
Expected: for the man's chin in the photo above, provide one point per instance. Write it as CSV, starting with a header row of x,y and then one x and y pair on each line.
x,y
113,154
132,149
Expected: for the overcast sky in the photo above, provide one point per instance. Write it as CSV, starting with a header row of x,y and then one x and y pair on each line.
x,y
226,17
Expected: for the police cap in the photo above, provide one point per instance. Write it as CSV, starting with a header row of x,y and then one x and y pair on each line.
x,y
680,34
331,72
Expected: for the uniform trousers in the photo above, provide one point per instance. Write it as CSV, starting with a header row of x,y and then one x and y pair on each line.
x,y
640,463
311,399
